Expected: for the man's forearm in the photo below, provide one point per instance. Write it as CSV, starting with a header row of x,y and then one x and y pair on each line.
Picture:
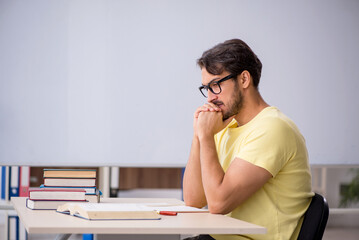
x,y
211,170
193,192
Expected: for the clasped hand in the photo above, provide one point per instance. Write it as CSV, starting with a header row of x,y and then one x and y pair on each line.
x,y
208,120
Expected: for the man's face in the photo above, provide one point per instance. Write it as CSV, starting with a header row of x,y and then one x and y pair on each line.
x,y
230,100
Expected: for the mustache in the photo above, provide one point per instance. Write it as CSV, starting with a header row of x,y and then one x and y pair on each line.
x,y
217,103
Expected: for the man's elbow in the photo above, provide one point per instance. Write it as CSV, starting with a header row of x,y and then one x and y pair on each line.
x,y
218,208
194,202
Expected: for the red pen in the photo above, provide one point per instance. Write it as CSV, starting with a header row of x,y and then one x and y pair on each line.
x,y
168,213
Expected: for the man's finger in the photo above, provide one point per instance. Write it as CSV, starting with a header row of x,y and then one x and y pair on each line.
x,y
212,107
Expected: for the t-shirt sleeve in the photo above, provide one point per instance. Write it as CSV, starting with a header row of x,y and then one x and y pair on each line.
x,y
270,146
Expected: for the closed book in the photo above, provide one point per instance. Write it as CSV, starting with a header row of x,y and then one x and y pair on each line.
x,y
13,227
70,173
14,181
109,211
57,194
24,181
89,190
70,182
4,182
44,204
92,198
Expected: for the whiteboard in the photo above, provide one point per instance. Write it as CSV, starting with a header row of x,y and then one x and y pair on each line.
x,y
115,83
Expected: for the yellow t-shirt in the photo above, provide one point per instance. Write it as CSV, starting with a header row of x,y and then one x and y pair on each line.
x,y
271,141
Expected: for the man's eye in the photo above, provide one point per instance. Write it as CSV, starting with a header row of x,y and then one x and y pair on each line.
x,y
214,85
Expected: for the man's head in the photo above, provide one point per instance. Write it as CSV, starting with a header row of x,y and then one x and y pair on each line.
x,y
233,60
233,56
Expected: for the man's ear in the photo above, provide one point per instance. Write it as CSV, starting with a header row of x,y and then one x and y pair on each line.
x,y
245,79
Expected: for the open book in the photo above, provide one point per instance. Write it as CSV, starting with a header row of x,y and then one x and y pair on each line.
x,y
109,211
123,211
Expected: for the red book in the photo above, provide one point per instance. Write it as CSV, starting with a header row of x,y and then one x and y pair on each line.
x,y
24,181
57,194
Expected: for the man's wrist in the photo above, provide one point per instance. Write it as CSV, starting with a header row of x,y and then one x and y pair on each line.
x,y
205,136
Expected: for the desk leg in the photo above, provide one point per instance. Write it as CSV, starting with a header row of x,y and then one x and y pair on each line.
x,y
62,236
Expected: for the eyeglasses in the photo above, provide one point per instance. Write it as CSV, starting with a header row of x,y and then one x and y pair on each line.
x,y
214,86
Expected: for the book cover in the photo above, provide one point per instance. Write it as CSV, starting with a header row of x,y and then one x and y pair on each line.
x,y
24,181
44,204
109,211
70,173
57,194
70,182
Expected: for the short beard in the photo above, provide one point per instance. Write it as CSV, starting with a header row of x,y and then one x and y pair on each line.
x,y
237,104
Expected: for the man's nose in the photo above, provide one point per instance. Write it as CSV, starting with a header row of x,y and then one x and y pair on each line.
x,y
211,96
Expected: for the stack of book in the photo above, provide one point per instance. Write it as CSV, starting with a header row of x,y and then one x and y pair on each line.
x,y
41,198
62,186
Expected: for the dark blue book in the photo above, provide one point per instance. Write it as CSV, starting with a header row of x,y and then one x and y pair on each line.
x,y
3,183
14,181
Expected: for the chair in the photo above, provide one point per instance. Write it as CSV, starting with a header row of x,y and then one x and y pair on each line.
x,y
315,219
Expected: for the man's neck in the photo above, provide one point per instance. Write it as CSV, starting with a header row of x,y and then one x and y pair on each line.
x,y
252,105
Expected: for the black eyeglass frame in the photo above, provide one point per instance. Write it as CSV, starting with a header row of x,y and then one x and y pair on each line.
x,y
206,87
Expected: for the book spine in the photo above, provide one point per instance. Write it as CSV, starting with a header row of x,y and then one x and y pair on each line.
x,y
24,181
14,181
3,183
7,183
13,227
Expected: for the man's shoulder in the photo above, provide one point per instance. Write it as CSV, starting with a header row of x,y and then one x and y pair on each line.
x,y
274,119
274,125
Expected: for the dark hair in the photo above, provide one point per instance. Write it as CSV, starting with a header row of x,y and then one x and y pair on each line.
x,y
233,56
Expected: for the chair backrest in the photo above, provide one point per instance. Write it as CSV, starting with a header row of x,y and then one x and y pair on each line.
x,y
315,219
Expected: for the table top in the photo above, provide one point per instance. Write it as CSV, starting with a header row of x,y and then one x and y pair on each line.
x,y
50,221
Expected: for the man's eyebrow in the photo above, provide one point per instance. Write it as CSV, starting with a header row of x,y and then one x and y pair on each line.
x,y
213,80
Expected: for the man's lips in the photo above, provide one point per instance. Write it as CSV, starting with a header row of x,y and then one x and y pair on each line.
x,y
218,103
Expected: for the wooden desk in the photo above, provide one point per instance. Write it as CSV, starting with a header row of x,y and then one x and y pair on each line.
x,y
49,221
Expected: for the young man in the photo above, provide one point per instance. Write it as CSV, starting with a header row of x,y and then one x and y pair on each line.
x,y
247,159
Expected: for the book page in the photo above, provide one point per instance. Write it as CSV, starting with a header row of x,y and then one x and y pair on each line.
x,y
113,207
134,207
173,208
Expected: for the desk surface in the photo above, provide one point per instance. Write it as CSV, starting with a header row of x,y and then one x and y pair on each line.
x,y
49,221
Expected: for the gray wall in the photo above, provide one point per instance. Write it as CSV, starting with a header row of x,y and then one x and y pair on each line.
x,y
115,82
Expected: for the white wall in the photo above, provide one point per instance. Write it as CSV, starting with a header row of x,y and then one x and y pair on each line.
x,y
115,82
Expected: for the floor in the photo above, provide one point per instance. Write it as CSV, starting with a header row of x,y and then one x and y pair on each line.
x,y
341,234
